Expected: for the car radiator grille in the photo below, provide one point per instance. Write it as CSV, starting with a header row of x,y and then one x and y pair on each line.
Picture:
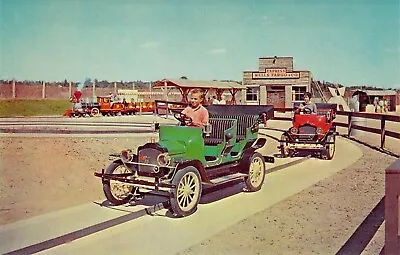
x,y
148,156
307,132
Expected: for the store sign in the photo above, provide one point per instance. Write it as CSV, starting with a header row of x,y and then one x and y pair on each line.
x,y
277,73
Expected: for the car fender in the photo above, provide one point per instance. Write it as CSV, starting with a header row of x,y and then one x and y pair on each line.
x,y
197,164
260,142
288,134
245,159
330,133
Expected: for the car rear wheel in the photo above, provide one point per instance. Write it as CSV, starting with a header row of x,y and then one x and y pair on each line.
x,y
284,145
118,193
256,176
186,195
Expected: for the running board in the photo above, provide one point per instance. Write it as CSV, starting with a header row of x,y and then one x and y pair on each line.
x,y
226,179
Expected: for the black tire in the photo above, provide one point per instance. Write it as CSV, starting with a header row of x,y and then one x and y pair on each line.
x,y
186,196
256,176
330,148
284,146
117,193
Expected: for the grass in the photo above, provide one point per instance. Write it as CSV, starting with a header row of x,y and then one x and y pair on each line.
x,y
31,107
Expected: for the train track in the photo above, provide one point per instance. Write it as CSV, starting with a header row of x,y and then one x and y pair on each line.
x,y
62,126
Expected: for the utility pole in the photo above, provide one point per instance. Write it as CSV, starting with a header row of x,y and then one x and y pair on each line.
x,y
13,89
43,90
70,88
94,90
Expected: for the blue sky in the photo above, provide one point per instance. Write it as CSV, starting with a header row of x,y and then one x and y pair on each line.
x,y
351,42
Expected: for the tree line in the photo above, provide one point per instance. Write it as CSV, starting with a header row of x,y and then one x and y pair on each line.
x,y
145,85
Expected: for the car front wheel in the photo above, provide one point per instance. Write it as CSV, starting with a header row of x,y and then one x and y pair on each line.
x,y
330,148
116,192
284,146
186,195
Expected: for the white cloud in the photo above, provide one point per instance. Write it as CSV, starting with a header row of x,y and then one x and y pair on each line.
x,y
150,44
218,51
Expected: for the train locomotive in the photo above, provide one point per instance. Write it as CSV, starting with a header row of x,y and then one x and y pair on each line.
x,y
104,105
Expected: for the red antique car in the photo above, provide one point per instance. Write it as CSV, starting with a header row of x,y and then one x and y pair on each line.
x,y
312,132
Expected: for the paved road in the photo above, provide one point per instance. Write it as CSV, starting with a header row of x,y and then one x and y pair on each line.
x,y
95,229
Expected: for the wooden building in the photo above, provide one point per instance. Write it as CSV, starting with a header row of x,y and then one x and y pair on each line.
x,y
276,82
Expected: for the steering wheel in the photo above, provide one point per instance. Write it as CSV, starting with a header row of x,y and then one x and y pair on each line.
x,y
183,119
307,110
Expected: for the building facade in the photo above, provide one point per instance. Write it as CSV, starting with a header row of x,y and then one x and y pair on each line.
x,y
276,83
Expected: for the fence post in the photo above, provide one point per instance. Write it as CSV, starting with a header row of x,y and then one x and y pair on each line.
x,y
13,89
349,124
383,131
43,90
70,88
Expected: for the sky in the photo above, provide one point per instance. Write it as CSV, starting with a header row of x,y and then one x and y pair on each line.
x,y
351,42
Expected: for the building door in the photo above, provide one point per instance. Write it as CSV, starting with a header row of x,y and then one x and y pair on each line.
x,y
276,98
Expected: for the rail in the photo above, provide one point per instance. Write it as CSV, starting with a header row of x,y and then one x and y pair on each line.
x,y
392,208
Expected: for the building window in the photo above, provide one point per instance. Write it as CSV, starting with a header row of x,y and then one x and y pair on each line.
x,y
252,94
298,93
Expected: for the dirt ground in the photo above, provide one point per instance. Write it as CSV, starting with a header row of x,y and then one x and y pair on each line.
x,y
40,175
318,220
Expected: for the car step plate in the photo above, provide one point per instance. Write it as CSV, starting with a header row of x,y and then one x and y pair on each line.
x,y
227,178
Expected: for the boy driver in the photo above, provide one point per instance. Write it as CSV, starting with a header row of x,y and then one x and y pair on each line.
x,y
196,111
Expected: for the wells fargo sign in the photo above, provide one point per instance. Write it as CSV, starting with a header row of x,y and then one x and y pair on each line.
x,y
276,73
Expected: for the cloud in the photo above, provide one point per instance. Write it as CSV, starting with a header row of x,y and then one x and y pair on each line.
x,y
150,45
218,51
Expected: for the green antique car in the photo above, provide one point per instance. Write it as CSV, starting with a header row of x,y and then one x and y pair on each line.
x,y
187,159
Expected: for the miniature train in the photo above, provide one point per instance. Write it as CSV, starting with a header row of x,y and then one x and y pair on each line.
x,y
107,107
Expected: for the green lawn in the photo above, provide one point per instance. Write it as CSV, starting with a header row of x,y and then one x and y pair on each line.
x,y
30,107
